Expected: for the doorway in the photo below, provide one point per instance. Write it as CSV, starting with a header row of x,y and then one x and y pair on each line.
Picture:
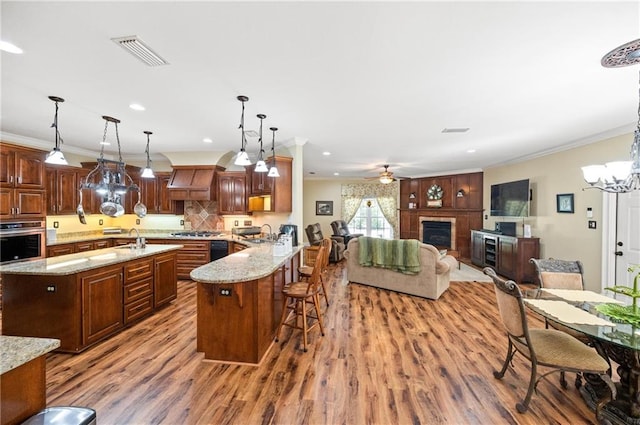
x,y
621,238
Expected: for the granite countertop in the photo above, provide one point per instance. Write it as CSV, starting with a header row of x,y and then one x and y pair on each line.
x,y
83,261
18,350
147,234
246,265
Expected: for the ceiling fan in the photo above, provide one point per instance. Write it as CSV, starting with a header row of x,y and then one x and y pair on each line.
x,y
385,176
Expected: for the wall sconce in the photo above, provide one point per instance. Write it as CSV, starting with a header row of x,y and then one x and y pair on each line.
x,y
460,193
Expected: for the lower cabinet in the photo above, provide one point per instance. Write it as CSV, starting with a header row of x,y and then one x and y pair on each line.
x,y
507,255
84,308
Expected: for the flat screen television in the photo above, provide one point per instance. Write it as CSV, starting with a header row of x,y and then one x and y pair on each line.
x,y
510,199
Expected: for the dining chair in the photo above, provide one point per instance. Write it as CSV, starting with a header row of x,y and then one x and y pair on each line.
x,y
562,274
542,347
305,271
302,299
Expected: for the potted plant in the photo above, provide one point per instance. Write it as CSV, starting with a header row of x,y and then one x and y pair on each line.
x,y
630,313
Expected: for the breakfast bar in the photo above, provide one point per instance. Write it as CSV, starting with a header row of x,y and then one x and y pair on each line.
x,y
239,302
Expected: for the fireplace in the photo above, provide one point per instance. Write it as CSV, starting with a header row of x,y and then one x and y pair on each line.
x,y
438,231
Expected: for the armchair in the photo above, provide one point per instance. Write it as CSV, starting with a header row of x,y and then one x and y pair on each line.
x,y
314,234
340,228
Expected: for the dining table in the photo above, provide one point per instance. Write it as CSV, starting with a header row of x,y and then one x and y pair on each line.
x,y
616,340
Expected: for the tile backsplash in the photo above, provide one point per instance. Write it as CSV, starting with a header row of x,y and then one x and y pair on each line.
x,y
202,215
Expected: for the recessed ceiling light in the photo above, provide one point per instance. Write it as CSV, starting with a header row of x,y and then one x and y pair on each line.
x,y
326,153
10,48
336,174
471,150
207,140
455,130
137,107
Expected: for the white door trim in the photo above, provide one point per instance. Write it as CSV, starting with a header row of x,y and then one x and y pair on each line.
x,y
609,220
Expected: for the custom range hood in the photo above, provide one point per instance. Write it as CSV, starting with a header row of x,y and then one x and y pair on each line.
x,y
196,183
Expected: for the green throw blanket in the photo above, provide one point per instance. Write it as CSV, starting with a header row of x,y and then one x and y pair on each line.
x,y
401,255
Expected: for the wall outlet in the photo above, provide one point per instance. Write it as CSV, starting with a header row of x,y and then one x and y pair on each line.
x,y
181,222
235,222
101,222
592,224
247,222
225,292
56,224
137,221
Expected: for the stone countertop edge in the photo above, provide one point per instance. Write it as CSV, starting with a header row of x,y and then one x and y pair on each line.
x,y
18,350
244,266
83,261
61,240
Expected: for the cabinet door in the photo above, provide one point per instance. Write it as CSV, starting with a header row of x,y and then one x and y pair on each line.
x,y
166,279
102,305
29,170
6,203
7,167
507,257
149,189
165,204
64,249
67,184
477,249
232,197
29,203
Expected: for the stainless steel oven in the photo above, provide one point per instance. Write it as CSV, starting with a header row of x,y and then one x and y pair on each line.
x,y
23,240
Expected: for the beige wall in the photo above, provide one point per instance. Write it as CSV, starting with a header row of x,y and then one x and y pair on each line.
x,y
320,190
563,236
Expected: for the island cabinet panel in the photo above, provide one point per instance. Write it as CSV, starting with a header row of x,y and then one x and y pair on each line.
x,y
102,303
166,279
138,289
20,401
43,306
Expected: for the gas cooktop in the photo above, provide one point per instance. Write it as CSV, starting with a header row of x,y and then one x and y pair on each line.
x,y
197,234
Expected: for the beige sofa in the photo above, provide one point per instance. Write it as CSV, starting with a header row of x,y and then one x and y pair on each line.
x,y
431,282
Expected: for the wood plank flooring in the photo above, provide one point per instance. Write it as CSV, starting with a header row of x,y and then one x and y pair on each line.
x,y
387,358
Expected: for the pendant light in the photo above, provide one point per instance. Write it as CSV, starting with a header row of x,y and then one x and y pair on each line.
x,y
273,171
242,158
56,156
147,173
261,166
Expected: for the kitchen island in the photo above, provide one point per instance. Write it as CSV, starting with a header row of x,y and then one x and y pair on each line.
x,y
84,298
22,377
239,301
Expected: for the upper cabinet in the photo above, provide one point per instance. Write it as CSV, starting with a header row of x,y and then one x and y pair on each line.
x,y
195,183
22,183
62,189
232,194
271,194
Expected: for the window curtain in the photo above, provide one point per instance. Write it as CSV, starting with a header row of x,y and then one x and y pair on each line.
x,y
385,194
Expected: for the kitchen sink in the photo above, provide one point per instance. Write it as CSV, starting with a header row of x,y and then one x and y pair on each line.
x,y
258,241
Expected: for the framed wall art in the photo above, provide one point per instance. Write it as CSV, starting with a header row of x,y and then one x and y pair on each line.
x,y
324,207
564,203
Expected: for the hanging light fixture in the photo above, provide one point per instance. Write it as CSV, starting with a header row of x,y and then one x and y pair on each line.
x,y
242,158
56,156
273,171
619,176
261,166
147,173
109,178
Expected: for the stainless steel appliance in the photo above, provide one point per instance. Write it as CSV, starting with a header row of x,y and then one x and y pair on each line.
x,y
24,240
291,230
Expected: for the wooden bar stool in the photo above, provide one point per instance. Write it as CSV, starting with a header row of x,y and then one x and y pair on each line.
x,y
302,298
304,272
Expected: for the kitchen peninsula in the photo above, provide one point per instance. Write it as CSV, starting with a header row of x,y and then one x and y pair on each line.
x,y
239,301
86,297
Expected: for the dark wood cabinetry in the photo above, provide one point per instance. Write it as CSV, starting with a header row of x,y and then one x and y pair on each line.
x,y
166,276
101,303
62,190
192,255
271,194
22,183
193,183
508,255
73,247
138,289
232,193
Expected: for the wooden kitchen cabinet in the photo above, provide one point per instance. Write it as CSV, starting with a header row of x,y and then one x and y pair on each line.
x,y
70,248
271,194
192,255
166,279
62,189
62,249
232,193
102,303
138,289
22,183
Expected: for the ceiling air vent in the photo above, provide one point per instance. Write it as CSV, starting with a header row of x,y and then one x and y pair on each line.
x,y
455,130
139,49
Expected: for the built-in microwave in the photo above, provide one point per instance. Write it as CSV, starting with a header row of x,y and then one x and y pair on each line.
x,y
20,241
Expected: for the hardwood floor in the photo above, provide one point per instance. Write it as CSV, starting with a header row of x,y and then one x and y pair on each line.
x,y
387,358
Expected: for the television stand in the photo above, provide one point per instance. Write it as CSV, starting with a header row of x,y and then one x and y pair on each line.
x,y
507,255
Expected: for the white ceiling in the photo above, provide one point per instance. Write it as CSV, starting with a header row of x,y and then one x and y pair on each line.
x,y
370,82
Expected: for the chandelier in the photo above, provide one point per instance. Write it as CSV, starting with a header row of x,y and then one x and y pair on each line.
x,y
56,156
109,178
619,176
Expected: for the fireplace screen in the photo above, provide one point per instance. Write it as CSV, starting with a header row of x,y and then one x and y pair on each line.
x,y
437,233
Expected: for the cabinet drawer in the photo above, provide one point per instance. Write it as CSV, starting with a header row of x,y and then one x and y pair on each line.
x,y
138,270
138,309
102,244
194,246
138,290
195,257
84,246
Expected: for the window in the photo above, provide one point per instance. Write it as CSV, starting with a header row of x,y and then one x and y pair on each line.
x,y
370,221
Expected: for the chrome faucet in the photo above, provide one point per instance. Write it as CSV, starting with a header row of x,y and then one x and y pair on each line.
x,y
138,239
270,234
